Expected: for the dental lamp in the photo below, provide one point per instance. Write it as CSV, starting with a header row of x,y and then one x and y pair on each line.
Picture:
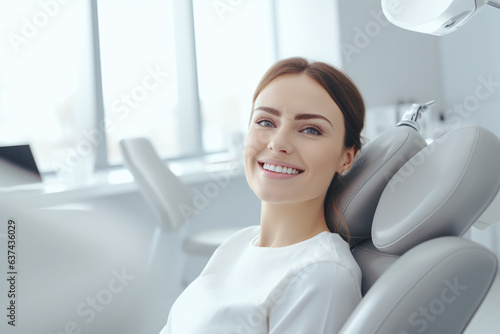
x,y
435,17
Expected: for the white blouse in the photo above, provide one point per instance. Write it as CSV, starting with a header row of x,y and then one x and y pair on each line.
x,y
308,287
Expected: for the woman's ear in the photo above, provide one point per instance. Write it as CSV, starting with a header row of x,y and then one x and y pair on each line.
x,y
348,158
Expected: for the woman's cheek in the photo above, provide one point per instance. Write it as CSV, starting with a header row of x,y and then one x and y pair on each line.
x,y
250,147
256,140
325,163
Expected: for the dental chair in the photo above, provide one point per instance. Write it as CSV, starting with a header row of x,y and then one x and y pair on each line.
x,y
407,205
172,201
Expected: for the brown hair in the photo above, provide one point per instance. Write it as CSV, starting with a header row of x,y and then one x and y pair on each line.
x,y
347,97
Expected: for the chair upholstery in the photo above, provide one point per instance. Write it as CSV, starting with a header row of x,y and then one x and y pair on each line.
x,y
441,191
373,263
372,169
418,273
435,287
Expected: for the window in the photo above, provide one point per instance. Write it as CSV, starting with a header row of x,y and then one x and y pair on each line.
x,y
210,62
78,76
234,47
139,76
46,81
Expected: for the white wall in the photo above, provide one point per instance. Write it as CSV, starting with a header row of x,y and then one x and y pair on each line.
x,y
307,30
389,64
471,56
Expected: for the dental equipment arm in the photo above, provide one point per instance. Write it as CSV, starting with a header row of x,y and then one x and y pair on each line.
x,y
414,113
435,17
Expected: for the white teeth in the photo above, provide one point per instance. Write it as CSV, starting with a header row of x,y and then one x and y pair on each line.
x,y
280,169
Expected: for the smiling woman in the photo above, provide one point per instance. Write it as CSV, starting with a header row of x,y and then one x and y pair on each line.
x,y
327,109
300,132
293,273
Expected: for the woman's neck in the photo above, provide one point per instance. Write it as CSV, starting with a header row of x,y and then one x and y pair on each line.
x,y
290,223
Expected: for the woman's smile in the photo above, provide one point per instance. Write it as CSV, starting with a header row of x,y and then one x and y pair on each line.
x,y
279,170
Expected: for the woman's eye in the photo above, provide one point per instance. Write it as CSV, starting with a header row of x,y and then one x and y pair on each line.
x,y
311,131
266,123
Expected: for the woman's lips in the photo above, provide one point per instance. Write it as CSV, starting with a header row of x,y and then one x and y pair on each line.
x,y
278,171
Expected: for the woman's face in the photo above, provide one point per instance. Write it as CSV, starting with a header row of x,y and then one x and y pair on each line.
x,y
295,142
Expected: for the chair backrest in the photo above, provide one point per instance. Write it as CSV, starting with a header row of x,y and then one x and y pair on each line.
x,y
418,273
166,194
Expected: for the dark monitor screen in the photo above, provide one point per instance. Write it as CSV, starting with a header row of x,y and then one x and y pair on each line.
x,y
21,156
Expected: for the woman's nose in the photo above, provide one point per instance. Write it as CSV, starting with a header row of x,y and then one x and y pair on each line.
x,y
281,142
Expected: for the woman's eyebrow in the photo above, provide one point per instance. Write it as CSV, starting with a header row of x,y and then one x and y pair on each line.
x,y
312,116
270,110
276,112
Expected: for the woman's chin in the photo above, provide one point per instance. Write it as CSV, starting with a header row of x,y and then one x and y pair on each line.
x,y
274,197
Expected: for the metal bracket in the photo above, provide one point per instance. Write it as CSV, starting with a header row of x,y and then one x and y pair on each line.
x,y
414,113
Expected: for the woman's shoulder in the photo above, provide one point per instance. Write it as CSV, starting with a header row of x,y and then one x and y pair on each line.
x,y
330,249
325,260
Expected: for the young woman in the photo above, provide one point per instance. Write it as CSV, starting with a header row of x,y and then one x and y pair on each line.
x,y
292,273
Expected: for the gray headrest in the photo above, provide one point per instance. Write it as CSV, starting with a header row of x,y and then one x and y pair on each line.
x,y
371,171
441,191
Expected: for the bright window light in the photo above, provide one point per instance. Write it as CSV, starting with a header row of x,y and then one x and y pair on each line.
x,y
181,73
139,77
46,79
235,45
